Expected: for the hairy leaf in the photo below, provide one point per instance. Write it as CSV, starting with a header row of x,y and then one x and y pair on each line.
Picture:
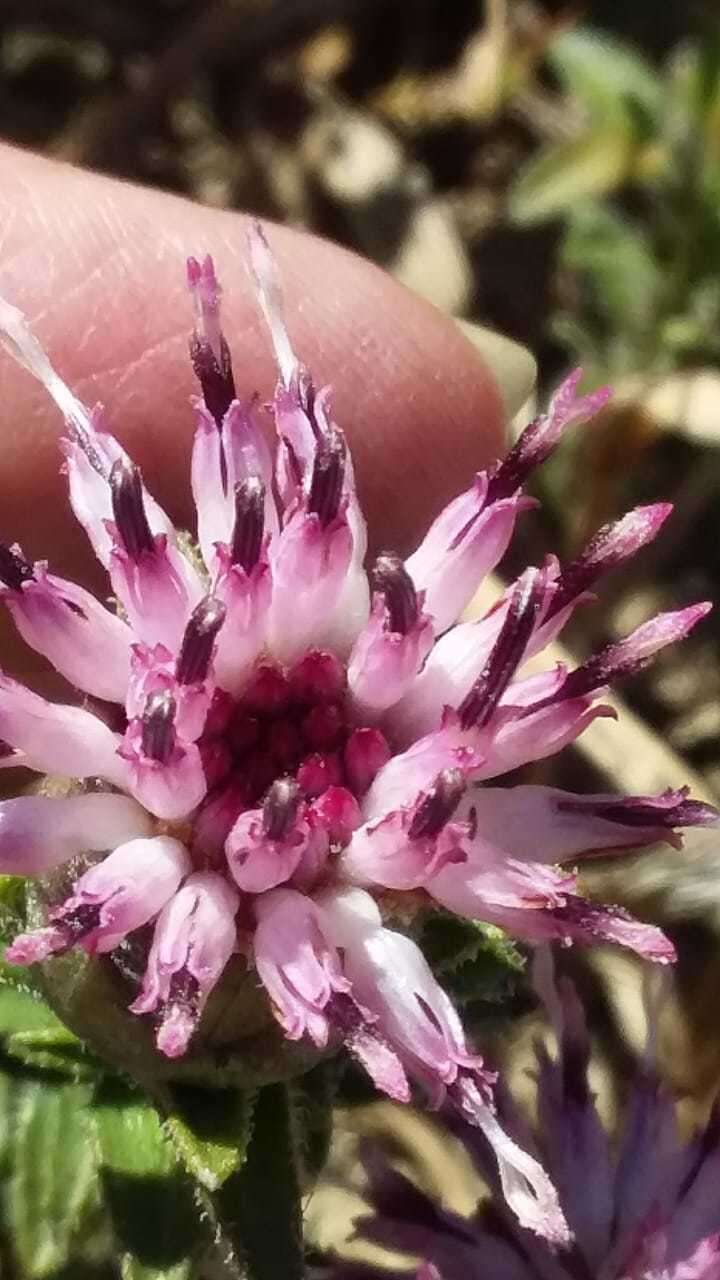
x,y
52,1174
150,1200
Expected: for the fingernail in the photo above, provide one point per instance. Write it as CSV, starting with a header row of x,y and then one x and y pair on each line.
x,y
512,366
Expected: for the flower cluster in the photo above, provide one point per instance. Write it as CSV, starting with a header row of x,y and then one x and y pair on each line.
x,y
275,745
643,1207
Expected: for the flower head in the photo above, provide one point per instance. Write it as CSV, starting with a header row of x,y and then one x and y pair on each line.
x,y
294,740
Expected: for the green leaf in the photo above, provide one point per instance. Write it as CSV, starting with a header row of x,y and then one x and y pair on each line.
x,y
7,1086
449,941
605,74
474,961
210,1130
616,258
150,1200
52,1178
12,904
22,1011
54,1049
593,165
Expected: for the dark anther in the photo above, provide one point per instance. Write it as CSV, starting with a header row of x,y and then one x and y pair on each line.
x,y
327,477
196,649
80,921
216,380
158,726
528,452
14,568
184,990
479,704
438,805
390,577
129,509
249,523
280,807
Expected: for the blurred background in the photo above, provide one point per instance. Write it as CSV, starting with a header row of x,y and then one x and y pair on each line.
x,y
549,170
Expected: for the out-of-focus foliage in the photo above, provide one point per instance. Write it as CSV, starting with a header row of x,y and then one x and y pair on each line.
x,y
639,191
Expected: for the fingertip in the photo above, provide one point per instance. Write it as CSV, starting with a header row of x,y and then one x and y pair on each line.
x,y
98,266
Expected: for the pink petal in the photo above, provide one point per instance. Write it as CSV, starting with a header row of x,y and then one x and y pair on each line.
x,y
194,939
309,565
58,739
162,771
267,282
208,349
392,648
465,542
85,642
298,967
541,824
38,833
246,595
406,848
265,846
121,893
526,1186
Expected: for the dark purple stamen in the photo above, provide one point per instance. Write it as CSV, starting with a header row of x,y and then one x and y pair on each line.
x,y
184,990
609,547
327,477
525,603
280,808
196,650
216,380
79,921
158,727
437,805
391,578
129,509
530,451
613,663
247,538
14,568
670,810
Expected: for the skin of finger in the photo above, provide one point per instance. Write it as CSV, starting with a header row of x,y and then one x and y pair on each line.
x,y
98,268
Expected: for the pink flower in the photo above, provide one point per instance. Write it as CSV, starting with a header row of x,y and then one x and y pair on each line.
x,y
282,743
116,896
194,938
299,968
